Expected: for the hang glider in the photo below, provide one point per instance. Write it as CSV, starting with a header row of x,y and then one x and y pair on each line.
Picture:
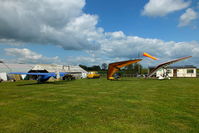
x,y
43,77
166,64
114,67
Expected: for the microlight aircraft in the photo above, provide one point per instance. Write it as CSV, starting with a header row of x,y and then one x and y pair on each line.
x,y
114,67
43,77
164,66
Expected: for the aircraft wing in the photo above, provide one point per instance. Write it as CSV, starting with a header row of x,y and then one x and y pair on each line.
x,y
64,73
166,64
114,67
40,74
43,77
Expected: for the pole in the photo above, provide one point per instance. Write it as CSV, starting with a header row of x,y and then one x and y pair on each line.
x,y
6,65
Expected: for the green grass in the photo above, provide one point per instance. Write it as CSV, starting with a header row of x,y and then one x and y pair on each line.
x,y
100,106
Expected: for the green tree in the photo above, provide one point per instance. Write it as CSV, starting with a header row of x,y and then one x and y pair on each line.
x,y
137,68
104,66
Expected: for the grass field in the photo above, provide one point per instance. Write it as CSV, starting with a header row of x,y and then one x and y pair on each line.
x,y
100,106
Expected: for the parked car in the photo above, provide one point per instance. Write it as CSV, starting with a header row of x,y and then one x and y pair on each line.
x,y
93,74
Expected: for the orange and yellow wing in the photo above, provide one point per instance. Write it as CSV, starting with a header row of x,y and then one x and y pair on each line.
x,y
114,67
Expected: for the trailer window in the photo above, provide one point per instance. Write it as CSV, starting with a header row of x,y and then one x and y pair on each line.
x,y
190,71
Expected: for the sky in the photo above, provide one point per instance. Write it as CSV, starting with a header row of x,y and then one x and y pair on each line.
x,y
92,32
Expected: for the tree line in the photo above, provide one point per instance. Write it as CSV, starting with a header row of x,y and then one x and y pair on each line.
x,y
135,68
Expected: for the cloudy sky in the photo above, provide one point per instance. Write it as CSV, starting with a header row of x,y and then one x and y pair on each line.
x,y
92,32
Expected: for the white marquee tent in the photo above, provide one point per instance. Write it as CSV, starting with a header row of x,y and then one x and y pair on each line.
x,y
6,68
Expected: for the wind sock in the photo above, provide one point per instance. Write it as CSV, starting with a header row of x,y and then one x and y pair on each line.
x,y
148,55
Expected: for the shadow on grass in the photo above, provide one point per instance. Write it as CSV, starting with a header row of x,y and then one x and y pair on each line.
x,y
120,80
47,83
137,79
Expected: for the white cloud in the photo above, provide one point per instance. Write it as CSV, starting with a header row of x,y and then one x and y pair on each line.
x,y
163,7
129,46
63,23
27,56
85,60
187,17
1,60
11,42
57,22
115,35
